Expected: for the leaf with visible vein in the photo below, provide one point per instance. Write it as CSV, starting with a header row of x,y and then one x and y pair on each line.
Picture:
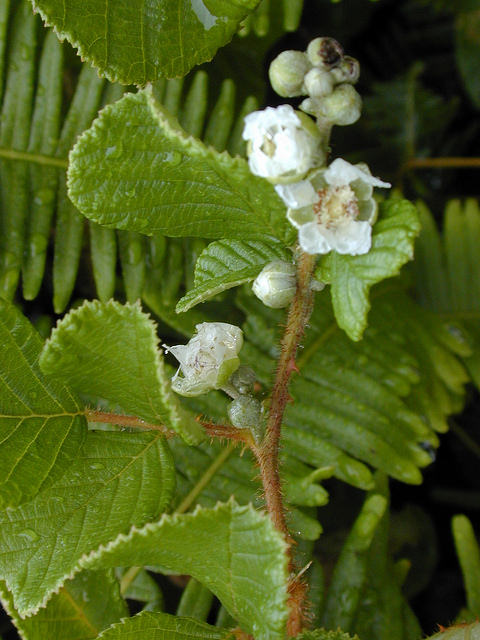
x,y
233,550
229,263
82,608
162,626
134,42
136,169
109,350
41,422
121,479
351,277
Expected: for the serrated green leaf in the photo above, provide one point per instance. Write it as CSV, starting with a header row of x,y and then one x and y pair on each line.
x,y
119,480
351,277
136,169
229,263
162,626
132,43
458,632
247,569
82,608
109,350
41,421
324,634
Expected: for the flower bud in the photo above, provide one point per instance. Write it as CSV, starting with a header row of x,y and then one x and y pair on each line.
x,y
347,71
318,83
243,379
208,360
283,144
287,71
343,106
325,53
275,285
245,412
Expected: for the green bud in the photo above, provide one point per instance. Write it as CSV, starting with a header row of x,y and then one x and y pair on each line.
x,y
347,71
325,53
245,412
318,83
243,379
286,73
275,285
341,107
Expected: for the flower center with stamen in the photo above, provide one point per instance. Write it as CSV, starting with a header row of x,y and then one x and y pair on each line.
x,y
336,205
268,147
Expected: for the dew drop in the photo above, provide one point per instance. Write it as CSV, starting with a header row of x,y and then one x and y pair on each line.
x,y
114,151
173,158
30,534
97,465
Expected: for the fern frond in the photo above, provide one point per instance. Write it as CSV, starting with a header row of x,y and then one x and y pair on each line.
x,y
447,274
379,400
372,604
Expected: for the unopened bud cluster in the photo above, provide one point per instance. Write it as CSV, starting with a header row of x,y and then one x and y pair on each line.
x,y
325,75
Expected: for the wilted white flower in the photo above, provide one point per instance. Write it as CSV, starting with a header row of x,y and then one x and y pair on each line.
x,y
208,360
283,144
275,285
341,219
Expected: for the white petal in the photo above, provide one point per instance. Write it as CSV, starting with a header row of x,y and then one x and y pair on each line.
x,y
350,238
257,122
341,173
312,239
298,194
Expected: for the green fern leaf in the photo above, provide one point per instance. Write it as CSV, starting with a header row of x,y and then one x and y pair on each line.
x,y
14,130
468,551
350,571
363,391
447,276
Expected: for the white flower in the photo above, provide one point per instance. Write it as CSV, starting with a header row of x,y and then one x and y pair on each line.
x,y
282,144
208,360
297,194
341,218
